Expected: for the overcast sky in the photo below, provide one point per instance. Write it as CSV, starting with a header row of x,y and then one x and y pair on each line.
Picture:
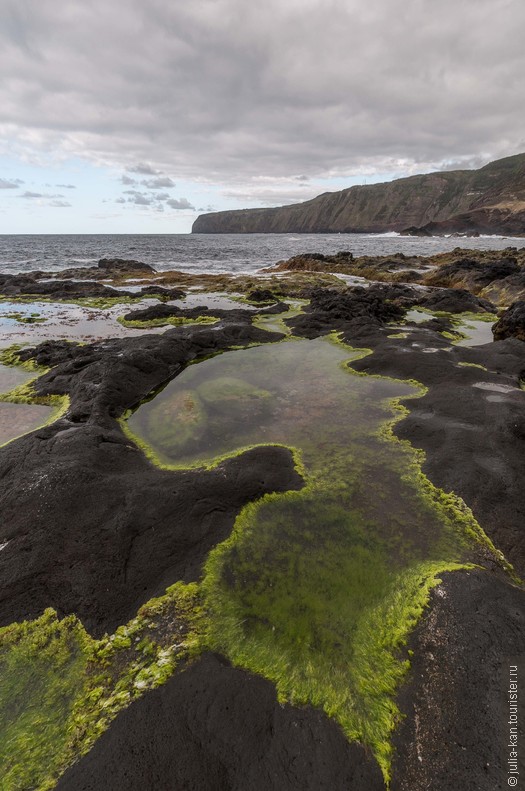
x,y
135,116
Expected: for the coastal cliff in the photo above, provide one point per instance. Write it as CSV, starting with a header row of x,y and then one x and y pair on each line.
x,y
488,200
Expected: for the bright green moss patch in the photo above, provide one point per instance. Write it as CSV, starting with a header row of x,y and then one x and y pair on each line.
x,y
175,321
60,688
10,356
42,672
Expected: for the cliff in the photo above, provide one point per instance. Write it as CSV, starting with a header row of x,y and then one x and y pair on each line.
x,y
488,200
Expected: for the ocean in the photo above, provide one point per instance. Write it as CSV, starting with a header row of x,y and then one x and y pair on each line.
x,y
215,253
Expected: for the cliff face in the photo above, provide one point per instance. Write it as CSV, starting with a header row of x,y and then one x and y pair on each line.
x,y
484,200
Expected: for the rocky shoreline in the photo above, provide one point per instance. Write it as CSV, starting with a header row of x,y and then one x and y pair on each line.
x,y
94,529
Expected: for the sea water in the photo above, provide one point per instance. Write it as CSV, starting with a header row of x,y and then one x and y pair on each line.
x,y
215,253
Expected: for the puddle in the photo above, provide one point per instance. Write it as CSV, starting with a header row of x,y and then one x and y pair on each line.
x,y
212,300
477,332
312,585
65,321
495,387
19,419
417,316
13,376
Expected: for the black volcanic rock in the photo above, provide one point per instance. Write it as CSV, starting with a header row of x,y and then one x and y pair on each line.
x,y
124,265
17,285
217,728
511,324
333,310
160,291
454,704
456,300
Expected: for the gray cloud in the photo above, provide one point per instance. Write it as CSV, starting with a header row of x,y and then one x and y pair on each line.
x,y
127,180
59,204
66,186
146,170
160,181
10,185
182,203
28,194
141,200
319,88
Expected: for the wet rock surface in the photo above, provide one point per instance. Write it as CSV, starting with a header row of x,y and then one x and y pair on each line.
x,y
217,728
511,324
456,701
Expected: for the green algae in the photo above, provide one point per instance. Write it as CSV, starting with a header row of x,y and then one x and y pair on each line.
x,y
60,688
175,321
33,318
319,589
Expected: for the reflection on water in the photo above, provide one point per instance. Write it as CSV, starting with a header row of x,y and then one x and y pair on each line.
x,y
18,419
477,332
12,376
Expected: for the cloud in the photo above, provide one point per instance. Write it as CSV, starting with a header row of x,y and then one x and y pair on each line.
x,y
10,185
225,91
127,180
145,170
28,194
66,186
141,200
161,181
59,204
182,203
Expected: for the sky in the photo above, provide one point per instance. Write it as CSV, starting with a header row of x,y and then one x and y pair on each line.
x,y
126,116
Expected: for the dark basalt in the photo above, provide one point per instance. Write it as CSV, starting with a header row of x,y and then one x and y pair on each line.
x,y
472,273
261,295
512,323
124,265
169,293
456,729
16,285
216,728
456,300
332,310
241,315
93,527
